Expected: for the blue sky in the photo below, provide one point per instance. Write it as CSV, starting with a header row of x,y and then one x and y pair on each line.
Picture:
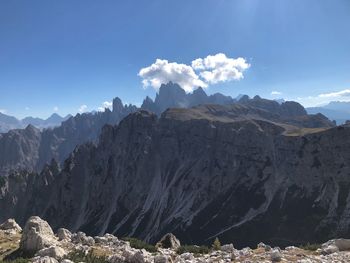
x,y
64,54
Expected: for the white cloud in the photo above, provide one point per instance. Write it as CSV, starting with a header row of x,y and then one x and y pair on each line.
x,y
55,109
27,108
83,108
201,72
276,93
220,68
162,72
338,94
3,111
106,105
324,98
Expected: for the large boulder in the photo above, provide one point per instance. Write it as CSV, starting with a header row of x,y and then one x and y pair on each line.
x,y
335,245
169,241
10,224
37,234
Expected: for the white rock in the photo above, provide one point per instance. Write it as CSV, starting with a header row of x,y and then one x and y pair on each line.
x,y
229,248
64,234
261,245
44,260
10,224
276,255
37,234
341,243
329,249
162,259
116,258
83,239
187,256
53,252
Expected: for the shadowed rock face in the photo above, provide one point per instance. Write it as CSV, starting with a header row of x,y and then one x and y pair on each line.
x,y
30,149
226,171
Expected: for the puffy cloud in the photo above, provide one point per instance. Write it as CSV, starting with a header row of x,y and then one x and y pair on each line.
x,y
276,93
55,109
106,105
220,68
162,72
3,111
83,108
201,72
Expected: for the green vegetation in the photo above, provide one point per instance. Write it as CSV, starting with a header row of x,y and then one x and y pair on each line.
x,y
79,256
2,181
216,245
196,250
17,260
311,247
139,244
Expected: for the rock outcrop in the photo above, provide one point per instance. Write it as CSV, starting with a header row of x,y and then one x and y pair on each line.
x,y
169,241
37,235
10,225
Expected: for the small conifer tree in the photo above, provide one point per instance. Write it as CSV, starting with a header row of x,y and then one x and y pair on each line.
x,y
216,245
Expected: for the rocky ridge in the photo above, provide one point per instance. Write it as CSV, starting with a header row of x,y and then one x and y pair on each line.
x,y
38,243
211,171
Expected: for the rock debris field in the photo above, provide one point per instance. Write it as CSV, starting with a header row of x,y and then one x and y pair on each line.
x,y
39,244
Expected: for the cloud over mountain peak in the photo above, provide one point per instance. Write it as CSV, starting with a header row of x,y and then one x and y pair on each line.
x,y
202,72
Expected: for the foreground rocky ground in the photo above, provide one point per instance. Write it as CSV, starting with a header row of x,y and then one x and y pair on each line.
x,y
38,243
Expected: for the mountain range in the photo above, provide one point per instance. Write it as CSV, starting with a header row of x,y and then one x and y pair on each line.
x,y
247,171
9,122
335,110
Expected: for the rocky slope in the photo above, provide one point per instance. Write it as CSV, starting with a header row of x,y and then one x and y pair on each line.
x,y
29,149
39,244
237,172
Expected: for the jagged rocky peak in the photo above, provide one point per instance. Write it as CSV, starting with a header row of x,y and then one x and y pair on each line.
x,y
117,105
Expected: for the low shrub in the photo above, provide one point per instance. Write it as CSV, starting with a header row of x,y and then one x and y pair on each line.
x,y
311,247
139,244
17,260
193,249
79,256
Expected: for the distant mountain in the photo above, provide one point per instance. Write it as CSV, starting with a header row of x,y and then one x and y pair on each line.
x,y
171,95
338,111
31,149
9,122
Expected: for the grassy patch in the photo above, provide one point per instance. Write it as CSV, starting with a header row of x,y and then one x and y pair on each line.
x,y
197,250
310,247
139,244
17,260
79,256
